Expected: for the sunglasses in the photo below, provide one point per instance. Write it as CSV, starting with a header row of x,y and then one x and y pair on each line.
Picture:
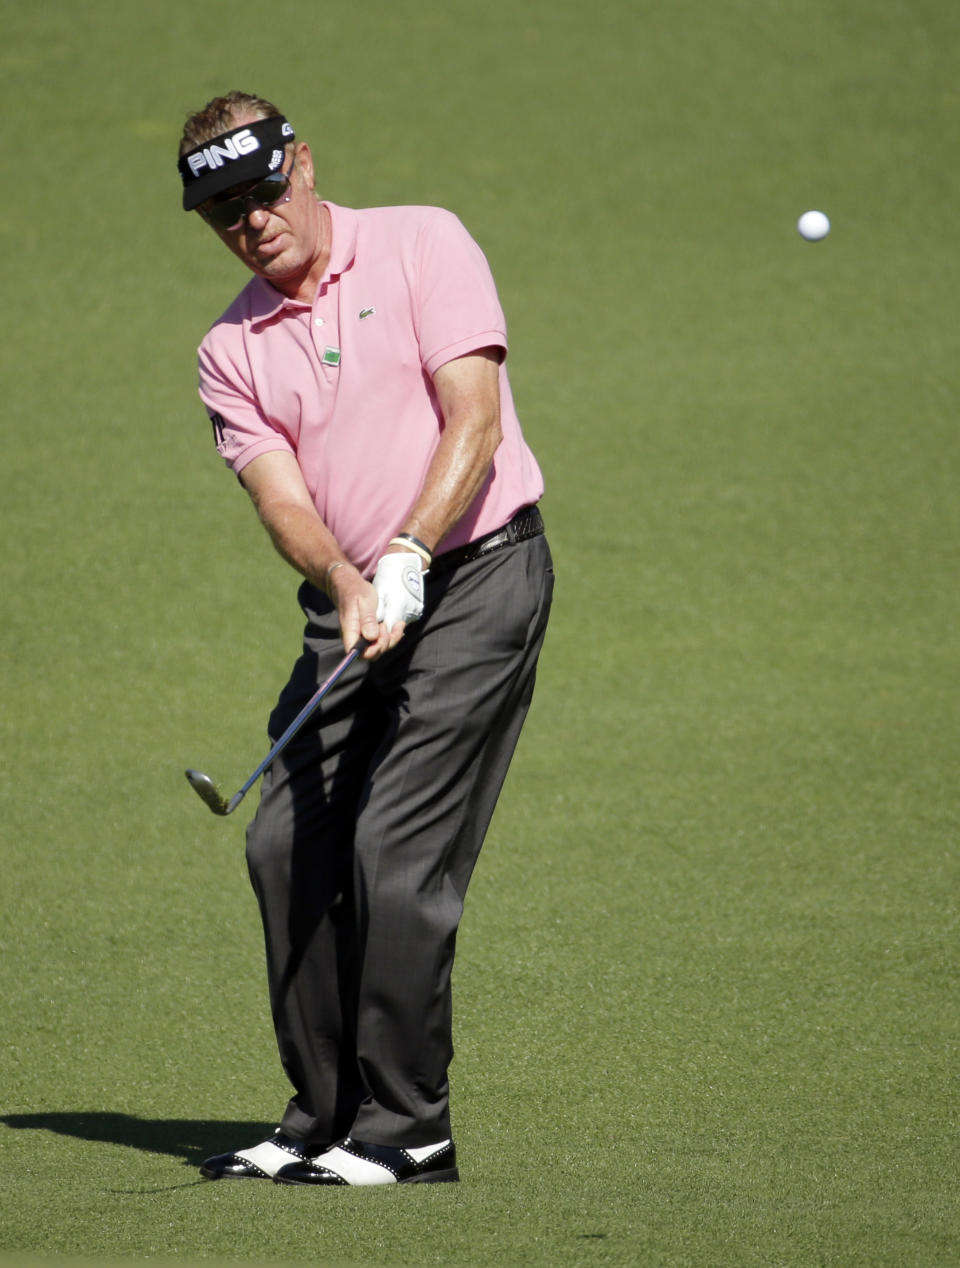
x,y
228,213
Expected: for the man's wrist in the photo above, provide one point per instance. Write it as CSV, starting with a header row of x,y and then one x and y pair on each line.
x,y
410,543
329,572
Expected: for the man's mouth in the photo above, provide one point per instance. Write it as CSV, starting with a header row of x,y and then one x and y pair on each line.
x,y
270,246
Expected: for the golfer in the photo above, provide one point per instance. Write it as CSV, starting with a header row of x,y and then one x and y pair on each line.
x,y
357,388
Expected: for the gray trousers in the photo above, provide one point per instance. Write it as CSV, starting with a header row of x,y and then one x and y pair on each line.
x,y
368,830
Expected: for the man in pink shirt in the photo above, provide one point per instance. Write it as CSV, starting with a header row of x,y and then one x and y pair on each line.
x,y
357,387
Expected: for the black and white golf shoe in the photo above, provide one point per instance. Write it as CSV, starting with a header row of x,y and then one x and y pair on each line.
x,y
356,1162
260,1162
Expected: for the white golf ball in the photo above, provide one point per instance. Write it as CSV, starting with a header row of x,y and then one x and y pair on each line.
x,y
813,225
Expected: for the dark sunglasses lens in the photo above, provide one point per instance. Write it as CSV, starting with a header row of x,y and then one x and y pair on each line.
x,y
229,213
226,214
269,189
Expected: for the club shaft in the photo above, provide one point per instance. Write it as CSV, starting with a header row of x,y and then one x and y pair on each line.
x,y
297,723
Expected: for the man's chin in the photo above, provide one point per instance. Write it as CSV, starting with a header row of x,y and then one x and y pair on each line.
x,y
273,267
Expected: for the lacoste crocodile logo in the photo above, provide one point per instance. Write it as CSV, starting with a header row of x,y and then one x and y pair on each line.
x,y
366,312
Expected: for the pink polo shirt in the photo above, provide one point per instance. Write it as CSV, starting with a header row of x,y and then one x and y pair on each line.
x,y
345,384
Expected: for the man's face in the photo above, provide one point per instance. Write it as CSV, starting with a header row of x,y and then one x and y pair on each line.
x,y
283,242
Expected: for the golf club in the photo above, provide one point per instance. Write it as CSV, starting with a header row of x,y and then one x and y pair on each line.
x,y
207,790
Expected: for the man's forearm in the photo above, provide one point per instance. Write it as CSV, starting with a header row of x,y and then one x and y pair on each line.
x,y
455,476
469,396
301,537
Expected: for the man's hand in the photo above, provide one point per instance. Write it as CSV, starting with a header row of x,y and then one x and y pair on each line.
x,y
398,582
378,611
356,602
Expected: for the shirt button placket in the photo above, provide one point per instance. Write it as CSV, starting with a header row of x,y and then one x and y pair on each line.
x,y
325,338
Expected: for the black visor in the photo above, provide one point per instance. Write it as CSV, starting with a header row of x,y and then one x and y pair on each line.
x,y
235,158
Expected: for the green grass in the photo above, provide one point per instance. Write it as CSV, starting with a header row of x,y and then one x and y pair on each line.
x,y
706,985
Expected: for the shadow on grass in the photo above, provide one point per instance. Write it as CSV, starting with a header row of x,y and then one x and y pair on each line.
x,y
192,1140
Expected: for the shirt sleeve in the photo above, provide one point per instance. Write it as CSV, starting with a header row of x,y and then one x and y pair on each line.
x,y
241,430
459,311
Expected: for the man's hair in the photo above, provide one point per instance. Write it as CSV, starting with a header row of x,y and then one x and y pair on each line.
x,y
220,115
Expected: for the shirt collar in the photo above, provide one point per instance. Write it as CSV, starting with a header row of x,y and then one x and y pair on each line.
x,y
343,247
266,301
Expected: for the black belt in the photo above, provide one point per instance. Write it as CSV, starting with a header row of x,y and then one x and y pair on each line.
x,y
526,523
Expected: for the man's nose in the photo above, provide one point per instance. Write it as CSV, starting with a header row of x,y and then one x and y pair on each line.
x,y
257,217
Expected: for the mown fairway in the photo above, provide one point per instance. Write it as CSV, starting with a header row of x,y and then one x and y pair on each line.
x,y
707,979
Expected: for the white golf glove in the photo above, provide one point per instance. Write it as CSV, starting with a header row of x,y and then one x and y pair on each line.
x,y
398,582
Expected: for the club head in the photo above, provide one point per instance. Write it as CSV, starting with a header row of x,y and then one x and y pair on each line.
x,y
206,789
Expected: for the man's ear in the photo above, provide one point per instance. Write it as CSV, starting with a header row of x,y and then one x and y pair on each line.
x,y
305,164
